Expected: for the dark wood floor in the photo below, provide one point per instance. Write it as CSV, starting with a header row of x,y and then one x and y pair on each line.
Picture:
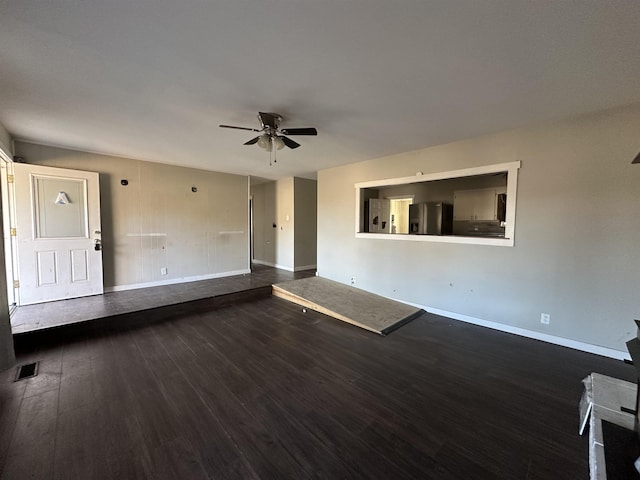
x,y
259,389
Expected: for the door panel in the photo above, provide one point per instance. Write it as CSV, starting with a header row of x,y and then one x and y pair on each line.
x,y
58,228
79,266
60,208
47,268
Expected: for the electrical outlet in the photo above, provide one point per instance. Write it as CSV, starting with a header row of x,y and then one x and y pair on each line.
x,y
545,318
163,271
353,280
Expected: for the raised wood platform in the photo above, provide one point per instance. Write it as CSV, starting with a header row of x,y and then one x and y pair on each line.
x,y
47,315
349,304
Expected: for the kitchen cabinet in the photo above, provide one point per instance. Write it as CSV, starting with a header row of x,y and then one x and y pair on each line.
x,y
475,205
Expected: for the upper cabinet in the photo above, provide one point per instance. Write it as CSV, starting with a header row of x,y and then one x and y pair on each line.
x,y
476,205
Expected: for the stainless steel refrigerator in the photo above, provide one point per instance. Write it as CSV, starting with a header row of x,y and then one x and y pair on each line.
x,y
431,218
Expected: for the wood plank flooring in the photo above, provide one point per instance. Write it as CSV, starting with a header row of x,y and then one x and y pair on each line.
x,y
259,389
358,307
46,315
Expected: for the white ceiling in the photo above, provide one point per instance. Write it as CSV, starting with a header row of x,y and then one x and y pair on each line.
x,y
152,79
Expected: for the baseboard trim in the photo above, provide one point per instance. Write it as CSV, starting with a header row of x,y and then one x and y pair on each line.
x,y
262,262
274,265
282,267
565,342
304,267
174,281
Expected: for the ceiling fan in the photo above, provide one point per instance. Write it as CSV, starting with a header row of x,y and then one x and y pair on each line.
x,y
272,137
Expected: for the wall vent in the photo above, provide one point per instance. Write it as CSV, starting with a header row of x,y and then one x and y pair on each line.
x,y
27,371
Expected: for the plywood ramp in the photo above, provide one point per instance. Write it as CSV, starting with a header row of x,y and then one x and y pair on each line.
x,y
349,304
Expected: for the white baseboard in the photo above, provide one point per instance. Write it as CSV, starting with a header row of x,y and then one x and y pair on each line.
x,y
274,265
565,342
174,281
262,262
282,267
304,267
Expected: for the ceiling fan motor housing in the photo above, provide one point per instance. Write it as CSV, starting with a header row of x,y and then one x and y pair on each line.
x,y
270,120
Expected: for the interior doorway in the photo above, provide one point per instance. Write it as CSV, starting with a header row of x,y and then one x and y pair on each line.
x,y
399,207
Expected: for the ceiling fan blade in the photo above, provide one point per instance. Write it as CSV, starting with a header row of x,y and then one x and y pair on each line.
x,y
637,159
240,128
252,141
289,143
299,131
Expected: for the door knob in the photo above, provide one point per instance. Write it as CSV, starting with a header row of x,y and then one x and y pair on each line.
x,y
97,245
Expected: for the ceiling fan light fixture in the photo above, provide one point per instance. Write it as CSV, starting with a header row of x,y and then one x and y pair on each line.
x,y
278,143
265,142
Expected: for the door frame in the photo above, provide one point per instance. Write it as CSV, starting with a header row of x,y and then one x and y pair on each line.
x,y
8,223
251,232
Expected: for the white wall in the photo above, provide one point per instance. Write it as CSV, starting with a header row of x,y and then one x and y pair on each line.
x,y
576,234
201,235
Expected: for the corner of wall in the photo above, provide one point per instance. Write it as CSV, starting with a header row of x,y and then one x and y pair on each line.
x,y
6,142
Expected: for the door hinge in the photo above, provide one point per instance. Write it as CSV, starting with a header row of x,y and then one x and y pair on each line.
x,y
13,232
10,178
16,284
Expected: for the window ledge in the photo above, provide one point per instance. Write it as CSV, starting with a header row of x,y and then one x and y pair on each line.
x,y
497,241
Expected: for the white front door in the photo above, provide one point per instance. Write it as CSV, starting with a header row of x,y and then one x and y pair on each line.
x,y
58,233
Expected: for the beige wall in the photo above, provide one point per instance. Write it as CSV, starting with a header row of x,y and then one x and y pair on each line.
x,y
157,222
306,207
576,234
